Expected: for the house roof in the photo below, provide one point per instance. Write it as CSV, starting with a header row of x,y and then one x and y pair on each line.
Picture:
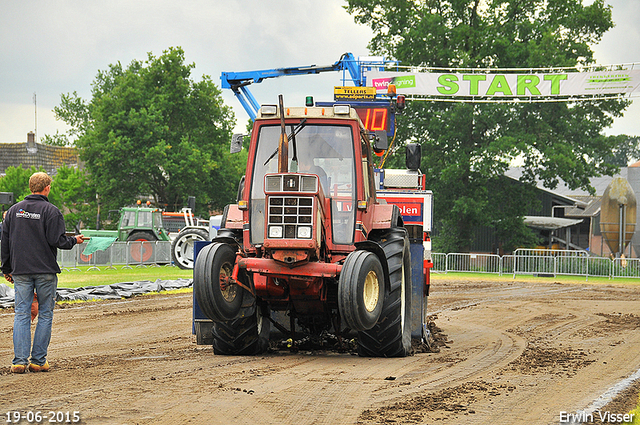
x,y
593,208
35,154
549,223
571,197
599,183
585,204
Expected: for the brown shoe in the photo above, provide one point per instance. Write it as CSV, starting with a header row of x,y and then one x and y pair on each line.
x,y
37,368
18,368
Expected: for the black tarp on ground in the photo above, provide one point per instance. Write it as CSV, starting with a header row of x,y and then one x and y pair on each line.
x,y
114,291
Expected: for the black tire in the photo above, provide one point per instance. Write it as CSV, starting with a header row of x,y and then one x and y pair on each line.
x,y
183,245
141,252
216,261
391,336
204,334
361,290
246,336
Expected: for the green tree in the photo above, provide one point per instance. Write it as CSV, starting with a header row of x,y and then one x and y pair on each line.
x,y
76,198
627,150
467,147
70,192
55,139
16,180
150,129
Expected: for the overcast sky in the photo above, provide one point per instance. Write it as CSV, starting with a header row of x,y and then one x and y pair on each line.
x,y
54,47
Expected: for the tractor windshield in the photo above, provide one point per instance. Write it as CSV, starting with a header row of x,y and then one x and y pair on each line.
x,y
325,150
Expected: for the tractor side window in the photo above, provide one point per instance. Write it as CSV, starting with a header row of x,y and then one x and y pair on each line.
x,y
157,219
365,173
129,219
144,219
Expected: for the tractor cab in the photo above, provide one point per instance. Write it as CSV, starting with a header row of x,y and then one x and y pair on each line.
x,y
315,200
320,182
141,223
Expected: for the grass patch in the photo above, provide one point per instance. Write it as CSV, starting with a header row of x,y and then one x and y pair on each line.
x,y
441,276
104,276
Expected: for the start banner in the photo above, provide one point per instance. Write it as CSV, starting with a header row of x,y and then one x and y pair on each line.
x,y
508,85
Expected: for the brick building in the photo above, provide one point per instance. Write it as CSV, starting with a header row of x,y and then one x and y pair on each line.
x,y
31,153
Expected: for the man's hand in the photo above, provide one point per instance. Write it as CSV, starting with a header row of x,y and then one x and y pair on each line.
x,y
9,278
81,238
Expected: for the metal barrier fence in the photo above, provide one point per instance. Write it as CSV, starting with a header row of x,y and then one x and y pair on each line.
x,y
538,263
125,254
522,262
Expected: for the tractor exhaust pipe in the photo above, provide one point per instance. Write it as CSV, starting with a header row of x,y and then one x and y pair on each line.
x,y
283,146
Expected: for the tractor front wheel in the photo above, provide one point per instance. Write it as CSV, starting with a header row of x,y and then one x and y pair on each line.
x,y
361,290
219,298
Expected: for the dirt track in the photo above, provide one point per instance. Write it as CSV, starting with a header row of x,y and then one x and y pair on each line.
x,y
516,352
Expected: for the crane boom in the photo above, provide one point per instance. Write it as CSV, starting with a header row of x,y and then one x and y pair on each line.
x,y
238,82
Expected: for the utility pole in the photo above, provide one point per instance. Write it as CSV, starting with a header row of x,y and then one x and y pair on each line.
x,y
35,104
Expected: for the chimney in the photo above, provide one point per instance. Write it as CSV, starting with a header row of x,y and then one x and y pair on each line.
x,y
31,142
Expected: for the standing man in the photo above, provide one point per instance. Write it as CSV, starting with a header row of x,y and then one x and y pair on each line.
x,y
31,234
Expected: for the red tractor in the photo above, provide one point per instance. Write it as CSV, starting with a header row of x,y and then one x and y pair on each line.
x,y
312,239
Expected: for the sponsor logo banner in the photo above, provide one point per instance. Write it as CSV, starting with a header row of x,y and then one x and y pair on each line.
x,y
354,93
412,210
509,85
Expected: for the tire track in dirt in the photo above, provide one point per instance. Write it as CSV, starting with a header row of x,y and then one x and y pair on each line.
x,y
507,392
135,361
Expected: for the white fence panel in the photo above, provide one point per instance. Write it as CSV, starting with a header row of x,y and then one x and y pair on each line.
x,y
439,262
507,264
574,266
599,266
476,263
534,265
626,267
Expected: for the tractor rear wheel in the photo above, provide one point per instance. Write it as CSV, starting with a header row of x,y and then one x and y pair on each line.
x,y
219,298
245,336
183,245
143,251
391,336
361,290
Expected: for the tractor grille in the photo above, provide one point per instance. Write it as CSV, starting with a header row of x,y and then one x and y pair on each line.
x,y
290,217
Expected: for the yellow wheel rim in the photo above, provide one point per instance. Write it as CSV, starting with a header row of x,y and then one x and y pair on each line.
x,y
371,291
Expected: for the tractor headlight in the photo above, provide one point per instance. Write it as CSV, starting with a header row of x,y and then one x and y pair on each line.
x,y
269,109
275,231
341,109
304,232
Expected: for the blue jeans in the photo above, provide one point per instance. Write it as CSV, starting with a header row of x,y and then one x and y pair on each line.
x,y
45,286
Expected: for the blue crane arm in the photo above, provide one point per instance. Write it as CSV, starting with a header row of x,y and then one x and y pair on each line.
x,y
231,80
238,81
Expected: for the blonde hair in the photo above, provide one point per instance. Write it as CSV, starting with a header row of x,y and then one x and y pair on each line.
x,y
38,181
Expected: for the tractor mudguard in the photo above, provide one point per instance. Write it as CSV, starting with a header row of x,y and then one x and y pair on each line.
x,y
375,247
228,240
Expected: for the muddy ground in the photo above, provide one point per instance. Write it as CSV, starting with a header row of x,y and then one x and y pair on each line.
x,y
512,352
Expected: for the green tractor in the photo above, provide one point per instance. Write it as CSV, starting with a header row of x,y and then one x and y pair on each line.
x,y
142,224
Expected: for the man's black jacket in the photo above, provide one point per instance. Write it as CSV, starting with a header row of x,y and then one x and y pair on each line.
x,y
31,234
